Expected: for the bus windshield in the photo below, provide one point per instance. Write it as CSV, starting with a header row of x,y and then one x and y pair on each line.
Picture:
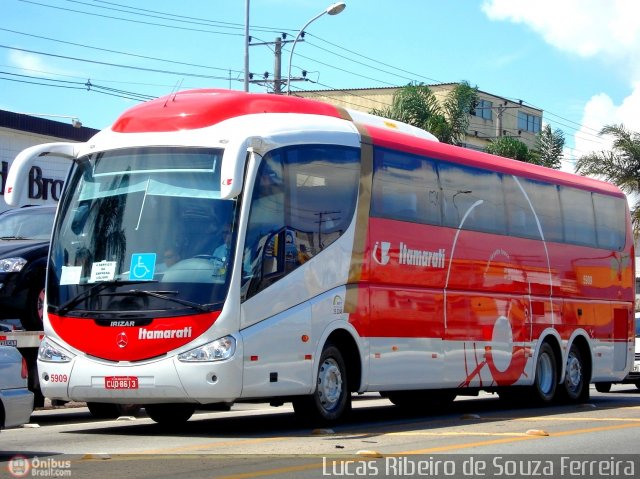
x,y
142,232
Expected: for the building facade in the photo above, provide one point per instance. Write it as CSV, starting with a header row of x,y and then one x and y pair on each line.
x,y
46,179
493,117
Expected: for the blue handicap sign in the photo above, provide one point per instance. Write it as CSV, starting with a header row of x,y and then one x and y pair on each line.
x,y
143,266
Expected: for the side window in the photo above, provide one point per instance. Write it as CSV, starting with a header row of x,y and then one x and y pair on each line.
x,y
475,193
322,187
611,222
303,200
405,187
546,205
266,221
520,218
577,211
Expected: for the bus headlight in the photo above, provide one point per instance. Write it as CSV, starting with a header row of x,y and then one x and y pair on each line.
x,y
217,350
52,353
12,265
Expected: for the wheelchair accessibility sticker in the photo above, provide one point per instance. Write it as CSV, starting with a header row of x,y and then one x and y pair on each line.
x,y
143,266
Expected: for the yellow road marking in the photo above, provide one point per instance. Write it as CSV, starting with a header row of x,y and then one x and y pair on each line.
x,y
211,445
452,447
453,433
574,419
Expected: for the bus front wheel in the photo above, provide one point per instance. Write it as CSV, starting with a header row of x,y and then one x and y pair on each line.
x,y
331,400
170,414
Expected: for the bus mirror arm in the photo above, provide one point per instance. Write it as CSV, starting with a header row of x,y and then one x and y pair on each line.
x,y
232,170
16,190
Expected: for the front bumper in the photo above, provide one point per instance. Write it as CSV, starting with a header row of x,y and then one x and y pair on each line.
x,y
162,381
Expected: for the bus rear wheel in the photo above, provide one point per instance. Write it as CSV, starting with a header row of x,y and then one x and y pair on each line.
x,y
170,414
575,388
546,376
331,399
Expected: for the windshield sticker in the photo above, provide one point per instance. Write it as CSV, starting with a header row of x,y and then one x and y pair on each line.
x,y
143,266
103,271
70,275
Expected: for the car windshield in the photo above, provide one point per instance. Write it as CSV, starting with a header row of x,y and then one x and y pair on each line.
x,y
149,227
27,223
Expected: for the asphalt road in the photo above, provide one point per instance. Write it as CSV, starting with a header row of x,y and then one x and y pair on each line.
x,y
474,437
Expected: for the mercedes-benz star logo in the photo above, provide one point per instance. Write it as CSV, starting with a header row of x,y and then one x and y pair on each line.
x,y
121,340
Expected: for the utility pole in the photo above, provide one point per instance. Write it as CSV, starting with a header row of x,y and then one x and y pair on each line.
x,y
500,110
277,81
277,67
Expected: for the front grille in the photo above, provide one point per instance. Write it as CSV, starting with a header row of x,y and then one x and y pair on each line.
x,y
637,356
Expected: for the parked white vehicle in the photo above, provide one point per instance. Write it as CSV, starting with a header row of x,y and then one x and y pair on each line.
x,y
16,401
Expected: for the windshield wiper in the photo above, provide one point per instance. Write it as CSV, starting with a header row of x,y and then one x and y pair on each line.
x,y
95,289
13,238
163,295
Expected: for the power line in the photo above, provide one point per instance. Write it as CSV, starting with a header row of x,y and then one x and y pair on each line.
x,y
75,85
141,22
116,51
130,67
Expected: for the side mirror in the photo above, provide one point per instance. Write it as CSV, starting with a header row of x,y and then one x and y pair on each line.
x,y
16,187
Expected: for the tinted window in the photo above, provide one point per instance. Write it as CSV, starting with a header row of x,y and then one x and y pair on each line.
x,y
546,204
405,187
577,211
475,193
520,218
610,221
27,223
303,200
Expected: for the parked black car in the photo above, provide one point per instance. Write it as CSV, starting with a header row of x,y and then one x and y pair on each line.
x,y
24,244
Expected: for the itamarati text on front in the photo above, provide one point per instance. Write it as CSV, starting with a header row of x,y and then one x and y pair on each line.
x,y
215,246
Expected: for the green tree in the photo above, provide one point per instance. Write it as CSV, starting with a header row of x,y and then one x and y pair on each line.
x,y
510,148
417,105
548,150
620,165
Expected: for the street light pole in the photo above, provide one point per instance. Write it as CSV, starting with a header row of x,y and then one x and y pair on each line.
x,y
246,46
331,10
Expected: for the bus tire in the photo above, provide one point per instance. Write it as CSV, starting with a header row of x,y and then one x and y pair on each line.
x,y
101,410
575,387
170,414
331,399
603,387
545,381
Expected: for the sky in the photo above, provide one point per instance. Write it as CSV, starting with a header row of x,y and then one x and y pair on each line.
x,y
578,60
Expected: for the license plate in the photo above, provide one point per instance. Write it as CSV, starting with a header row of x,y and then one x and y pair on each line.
x,y
121,382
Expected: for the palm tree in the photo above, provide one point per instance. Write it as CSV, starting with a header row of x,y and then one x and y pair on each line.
x,y
620,165
417,105
549,146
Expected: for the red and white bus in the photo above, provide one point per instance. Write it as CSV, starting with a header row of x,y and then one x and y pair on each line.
x,y
216,246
